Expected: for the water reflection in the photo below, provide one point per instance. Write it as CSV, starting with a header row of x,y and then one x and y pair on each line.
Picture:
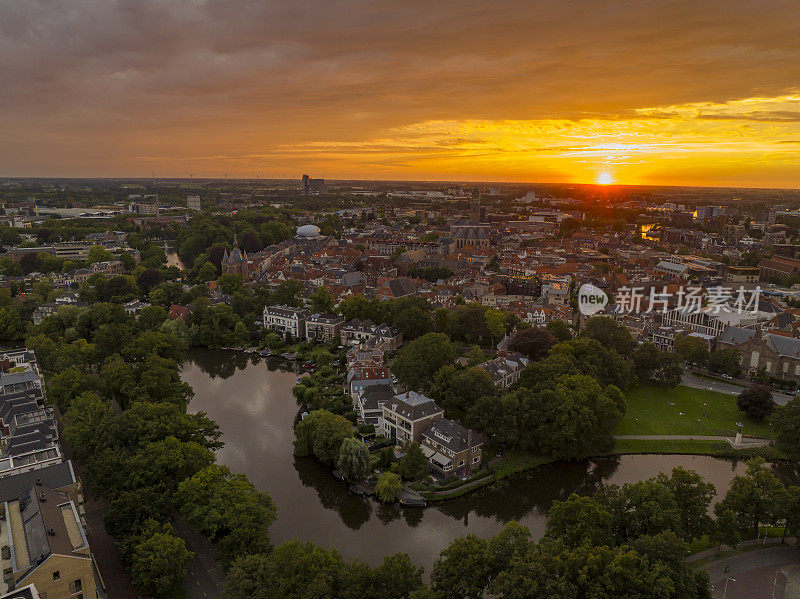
x,y
354,511
251,400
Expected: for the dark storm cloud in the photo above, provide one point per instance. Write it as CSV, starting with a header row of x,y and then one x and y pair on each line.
x,y
86,86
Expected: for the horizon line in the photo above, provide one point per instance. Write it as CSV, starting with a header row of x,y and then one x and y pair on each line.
x,y
427,181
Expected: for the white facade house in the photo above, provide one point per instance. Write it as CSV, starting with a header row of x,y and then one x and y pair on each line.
x,y
286,319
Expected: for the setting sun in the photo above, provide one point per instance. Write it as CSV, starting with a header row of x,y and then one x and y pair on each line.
x,y
604,179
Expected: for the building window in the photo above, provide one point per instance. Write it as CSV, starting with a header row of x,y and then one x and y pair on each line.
x,y
56,576
475,460
462,462
76,586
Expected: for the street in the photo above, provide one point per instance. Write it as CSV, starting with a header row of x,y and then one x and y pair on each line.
x,y
690,380
204,576
759,574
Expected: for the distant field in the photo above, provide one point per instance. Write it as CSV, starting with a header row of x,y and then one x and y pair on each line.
x,y
651,405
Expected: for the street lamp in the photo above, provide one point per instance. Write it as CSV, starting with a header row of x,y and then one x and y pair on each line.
x,y
698,427
725,593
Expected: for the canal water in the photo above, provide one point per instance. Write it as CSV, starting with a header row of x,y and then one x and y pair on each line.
x,y
251,400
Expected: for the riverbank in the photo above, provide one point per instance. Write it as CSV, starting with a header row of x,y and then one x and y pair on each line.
x,y
515,463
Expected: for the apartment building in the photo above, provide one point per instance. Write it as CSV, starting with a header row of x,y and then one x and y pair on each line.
x,y
286,319
324,327
407,416
46,545
382,337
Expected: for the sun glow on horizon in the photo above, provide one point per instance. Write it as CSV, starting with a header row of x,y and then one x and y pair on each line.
x,y
604,179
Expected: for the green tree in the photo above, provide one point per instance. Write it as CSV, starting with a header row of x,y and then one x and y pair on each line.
x,y
294,570
534,342
207,272
725,360
68,384
756,497
97,253
786,423
419,360
286,293
610,334
462,569
692,349
230,283
11,326
791,512
572,420
588,356
512,542
693,494
228,510
727,528
322,301
580,521
646,360
396,578
152,317
388,487
118,380
413,465
413,322
321,433
82,423
458,390
495,323
158,564
645,507
353,460
756,402
559,329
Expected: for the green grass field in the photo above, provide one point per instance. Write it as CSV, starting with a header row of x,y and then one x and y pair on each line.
x,y
651,406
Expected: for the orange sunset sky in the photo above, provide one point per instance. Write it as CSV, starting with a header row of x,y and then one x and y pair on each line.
x,y
649,92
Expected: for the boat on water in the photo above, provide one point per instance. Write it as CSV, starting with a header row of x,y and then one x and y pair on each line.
x,y
413,501
265,353
338,475
358,490
289,356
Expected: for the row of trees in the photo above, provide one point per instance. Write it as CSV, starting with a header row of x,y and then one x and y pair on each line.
x,y
568,400
117,381
624,541
469,323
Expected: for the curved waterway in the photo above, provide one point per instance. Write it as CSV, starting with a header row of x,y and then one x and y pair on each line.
x,y
251,400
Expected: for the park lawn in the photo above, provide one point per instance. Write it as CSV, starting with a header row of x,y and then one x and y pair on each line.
x,y
650,405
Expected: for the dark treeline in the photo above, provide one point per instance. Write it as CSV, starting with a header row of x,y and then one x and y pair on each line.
x,y
117,381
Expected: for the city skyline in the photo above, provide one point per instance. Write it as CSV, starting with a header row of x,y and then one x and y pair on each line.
x,y
656,93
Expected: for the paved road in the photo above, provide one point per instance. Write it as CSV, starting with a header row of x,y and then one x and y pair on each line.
x,y
104,550
204,576
754,575
690,380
